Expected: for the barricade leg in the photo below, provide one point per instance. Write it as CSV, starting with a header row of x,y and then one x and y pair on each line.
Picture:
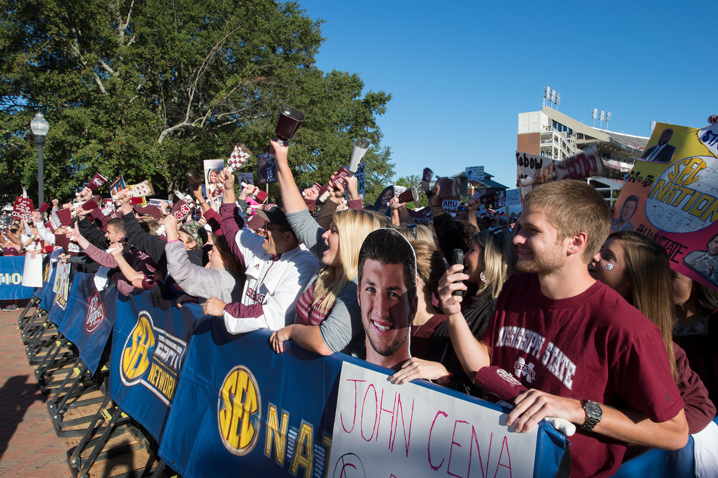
x,y
31,303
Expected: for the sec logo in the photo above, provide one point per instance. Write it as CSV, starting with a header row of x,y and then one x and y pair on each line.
x,y
238,411
135,354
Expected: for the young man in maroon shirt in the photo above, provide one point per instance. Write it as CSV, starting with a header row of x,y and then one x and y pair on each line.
x,y
585,354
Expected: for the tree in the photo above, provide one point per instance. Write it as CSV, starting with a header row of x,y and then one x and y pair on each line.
x,y
150,89
413,180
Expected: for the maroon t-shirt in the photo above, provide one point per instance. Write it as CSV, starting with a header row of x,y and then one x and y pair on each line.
x,y
593,346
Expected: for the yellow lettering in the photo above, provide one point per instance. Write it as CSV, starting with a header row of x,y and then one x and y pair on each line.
x,y
280,436
702,204
711,211
673,175
16,278
228,418
134,358
660,190
699,165
304,451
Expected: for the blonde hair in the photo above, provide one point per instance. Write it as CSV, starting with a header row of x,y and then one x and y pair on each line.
x,y
499,257
418,232
352,226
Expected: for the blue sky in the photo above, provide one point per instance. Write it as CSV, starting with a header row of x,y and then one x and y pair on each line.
x,y
460,74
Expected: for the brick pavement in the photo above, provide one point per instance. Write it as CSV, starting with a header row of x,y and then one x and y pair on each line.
x,y
28,444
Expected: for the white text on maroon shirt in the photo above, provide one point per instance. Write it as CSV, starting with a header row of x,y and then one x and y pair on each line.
x,y
532,343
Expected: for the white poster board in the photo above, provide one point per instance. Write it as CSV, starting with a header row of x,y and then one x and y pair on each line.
x,y
513,197
475,173
526,167
387,430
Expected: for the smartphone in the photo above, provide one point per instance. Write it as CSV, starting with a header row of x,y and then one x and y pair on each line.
x,y
458,259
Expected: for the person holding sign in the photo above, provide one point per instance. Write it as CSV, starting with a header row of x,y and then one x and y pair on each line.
x,y
574,342
328,318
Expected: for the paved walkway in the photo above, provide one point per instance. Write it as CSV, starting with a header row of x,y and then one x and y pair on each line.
x,y
28,444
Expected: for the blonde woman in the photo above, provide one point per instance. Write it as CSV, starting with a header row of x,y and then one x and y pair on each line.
x,y
328,318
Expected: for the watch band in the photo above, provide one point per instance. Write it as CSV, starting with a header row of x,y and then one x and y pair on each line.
x,y
594,413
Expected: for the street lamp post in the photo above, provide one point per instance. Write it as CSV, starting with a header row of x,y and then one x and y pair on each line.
x,y
40,127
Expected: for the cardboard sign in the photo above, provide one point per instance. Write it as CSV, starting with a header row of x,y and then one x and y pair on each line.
x,y
450,206
420,432
22,209
675,203
526,167
475,173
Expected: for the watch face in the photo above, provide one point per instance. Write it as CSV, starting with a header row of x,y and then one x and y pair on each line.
x,y
593,409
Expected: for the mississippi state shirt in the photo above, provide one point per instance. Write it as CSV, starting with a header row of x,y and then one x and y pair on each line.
x,y
594,346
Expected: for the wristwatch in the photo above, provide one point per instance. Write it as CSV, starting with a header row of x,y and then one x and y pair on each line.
x,y
594,413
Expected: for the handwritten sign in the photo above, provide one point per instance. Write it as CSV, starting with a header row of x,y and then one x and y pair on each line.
x,y
475,173
450,205
526,167
513,197
709,137
386,430
22,208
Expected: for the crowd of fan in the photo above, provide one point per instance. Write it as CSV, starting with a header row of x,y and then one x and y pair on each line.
x,y
554,300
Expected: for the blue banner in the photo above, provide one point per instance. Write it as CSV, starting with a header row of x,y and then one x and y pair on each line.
x,y
46,295
61,301
86,322
269,414
149,345
11,269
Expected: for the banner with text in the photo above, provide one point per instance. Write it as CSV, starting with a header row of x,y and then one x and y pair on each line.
x,y
671,196
273,414
149,345
11,270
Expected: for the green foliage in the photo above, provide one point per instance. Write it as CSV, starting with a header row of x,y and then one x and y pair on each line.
x,y
150,89
409,181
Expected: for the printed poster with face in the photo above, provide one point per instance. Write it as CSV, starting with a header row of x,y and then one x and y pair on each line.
x,y
267,168
212,168
671,196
